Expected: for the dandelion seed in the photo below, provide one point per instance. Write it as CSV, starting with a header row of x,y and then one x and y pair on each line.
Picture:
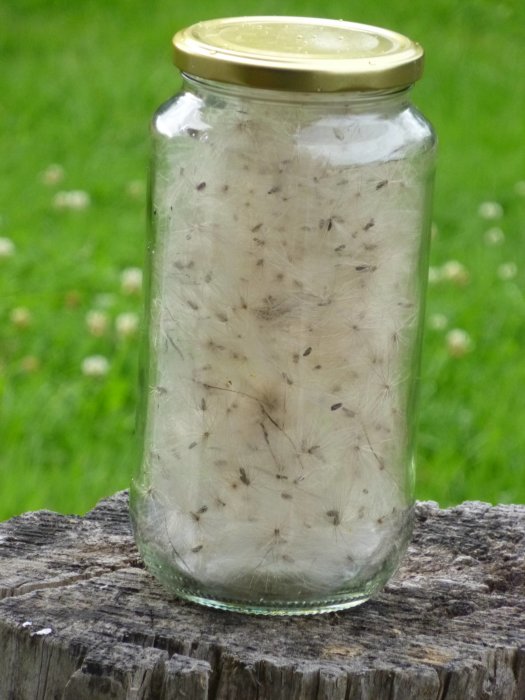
x,y
507,271
490,210
131,280
459,342
494,236
72,199
244,477
97,323
437,322
95,366
455,272
21,317
334,516
52,175
127,324
7,248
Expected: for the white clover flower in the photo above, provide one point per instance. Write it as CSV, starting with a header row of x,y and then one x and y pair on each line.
x,y
494,236
519,188
459,342
507,271
7,248
21,317
455,272
72,199
53,174
434,275
437,322
131,280
127,324
490,210
95,366
97,322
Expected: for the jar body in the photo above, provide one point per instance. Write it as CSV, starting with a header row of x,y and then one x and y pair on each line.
x,y
288,263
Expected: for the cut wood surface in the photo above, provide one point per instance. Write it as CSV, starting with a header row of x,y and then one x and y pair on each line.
x,y
80,619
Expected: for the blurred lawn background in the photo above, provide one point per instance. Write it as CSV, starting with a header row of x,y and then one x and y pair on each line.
x,y
78,85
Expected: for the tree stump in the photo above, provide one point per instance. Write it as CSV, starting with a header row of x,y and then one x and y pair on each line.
x,y
80,619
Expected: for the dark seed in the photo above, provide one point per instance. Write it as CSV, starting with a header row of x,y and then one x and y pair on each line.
x,y
334,515
201,186
335,406
307,352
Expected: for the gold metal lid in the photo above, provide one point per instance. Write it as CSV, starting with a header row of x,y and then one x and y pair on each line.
x,y
298,53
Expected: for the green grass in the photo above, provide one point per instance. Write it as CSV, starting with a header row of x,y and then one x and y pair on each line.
x,y
79,83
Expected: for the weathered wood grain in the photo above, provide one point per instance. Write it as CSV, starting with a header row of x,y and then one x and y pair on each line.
x,y
80,619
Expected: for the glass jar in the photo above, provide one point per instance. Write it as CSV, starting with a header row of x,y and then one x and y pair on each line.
x,y
290,207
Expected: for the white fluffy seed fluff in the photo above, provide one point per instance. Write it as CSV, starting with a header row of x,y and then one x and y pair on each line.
x,y
285,312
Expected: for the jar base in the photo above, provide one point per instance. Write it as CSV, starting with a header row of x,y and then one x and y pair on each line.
x,y
187,589
276,610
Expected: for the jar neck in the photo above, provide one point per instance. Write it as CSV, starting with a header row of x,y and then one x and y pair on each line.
x,y
395,97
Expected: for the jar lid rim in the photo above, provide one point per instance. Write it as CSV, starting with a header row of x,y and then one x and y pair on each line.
x,y
298,53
